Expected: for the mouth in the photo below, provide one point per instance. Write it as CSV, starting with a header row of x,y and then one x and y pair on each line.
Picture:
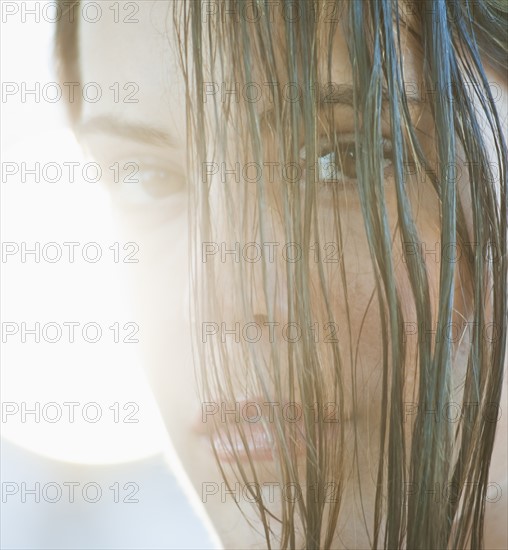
x,y
241,443
245,430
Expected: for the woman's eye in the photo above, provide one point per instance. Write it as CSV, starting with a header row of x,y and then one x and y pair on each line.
x,y
337,161
136,182
331,164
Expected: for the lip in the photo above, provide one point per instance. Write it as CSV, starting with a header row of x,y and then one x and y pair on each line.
x,y
224,431
229,445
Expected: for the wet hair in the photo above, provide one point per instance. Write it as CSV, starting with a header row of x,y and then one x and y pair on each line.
x,y
67,53
456,40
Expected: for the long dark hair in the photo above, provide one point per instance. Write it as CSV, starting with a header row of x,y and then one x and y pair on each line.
x,y
456,38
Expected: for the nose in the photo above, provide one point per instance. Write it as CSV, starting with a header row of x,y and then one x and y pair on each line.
x,y
260,318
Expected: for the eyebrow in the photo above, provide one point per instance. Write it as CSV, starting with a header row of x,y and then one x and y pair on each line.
x,y
343,94
128,130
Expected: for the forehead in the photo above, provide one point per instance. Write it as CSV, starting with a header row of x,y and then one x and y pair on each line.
x,y
130,53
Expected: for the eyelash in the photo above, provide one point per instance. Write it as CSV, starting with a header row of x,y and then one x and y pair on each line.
x,y
336,161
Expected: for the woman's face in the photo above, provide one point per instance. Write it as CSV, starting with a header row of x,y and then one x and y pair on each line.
x,y
141,119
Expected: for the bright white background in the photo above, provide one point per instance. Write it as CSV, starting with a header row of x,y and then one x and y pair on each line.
x,y
128,461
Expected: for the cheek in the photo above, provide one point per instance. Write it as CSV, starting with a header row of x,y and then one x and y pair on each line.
x,y
344,309
343,284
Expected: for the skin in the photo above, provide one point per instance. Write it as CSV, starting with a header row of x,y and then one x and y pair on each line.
x,y
142,53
